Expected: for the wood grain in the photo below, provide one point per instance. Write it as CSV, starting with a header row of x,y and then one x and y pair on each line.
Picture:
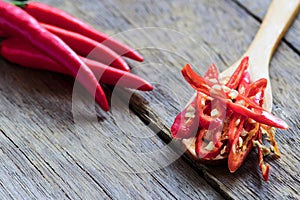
x,y
48,151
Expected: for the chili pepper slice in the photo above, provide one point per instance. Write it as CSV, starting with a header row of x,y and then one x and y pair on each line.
x,y
54,16
211,149
87,47
238,74
196,81
205,119
240,150
185,124
22,53
16,22
259,115
212,72
245,82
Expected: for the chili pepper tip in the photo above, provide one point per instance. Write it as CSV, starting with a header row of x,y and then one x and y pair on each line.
x,y
146,87
134,55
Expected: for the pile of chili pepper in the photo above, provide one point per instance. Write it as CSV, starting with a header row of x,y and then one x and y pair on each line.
x,y
226,118
36,35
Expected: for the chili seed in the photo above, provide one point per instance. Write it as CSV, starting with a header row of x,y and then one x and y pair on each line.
x,y
241,102
244,133
223,151
225,88
213,80
214,113
210,146
224,80
237,122
216,87
233,94
240,142
251,121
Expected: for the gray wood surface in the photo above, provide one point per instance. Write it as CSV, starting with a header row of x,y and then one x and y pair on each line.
x,y
53,147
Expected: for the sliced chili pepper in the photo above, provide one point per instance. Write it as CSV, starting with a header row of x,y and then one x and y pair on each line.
x,y
238,73
22,53
259,115
85,46
16,22
234,128
239,151
212,72
245,120
256,112
205,120
209,150
196,81
185,124
245,82
54,16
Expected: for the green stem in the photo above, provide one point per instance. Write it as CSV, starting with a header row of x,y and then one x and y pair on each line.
x,y
20,4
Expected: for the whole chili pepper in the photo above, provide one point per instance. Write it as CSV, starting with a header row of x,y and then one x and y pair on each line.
x,y
22,53
16,22
85,46
54,16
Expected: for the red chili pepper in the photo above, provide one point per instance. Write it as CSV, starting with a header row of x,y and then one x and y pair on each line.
x,y
245,82
22,53
211,149
237,75
196,81
186,122
16,22
212,72
259,115
85,46
54,16
238,154
256,112
244,120
205,120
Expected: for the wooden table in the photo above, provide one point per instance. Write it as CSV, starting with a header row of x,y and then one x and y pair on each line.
x,y
51,148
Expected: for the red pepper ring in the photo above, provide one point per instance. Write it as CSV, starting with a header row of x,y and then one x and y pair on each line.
x,y
205,120
186,123
211,150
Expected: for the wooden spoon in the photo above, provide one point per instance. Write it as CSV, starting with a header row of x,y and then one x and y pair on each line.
x,y
279,17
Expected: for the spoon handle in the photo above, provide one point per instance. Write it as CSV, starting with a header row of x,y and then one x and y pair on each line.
x,y
279,17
